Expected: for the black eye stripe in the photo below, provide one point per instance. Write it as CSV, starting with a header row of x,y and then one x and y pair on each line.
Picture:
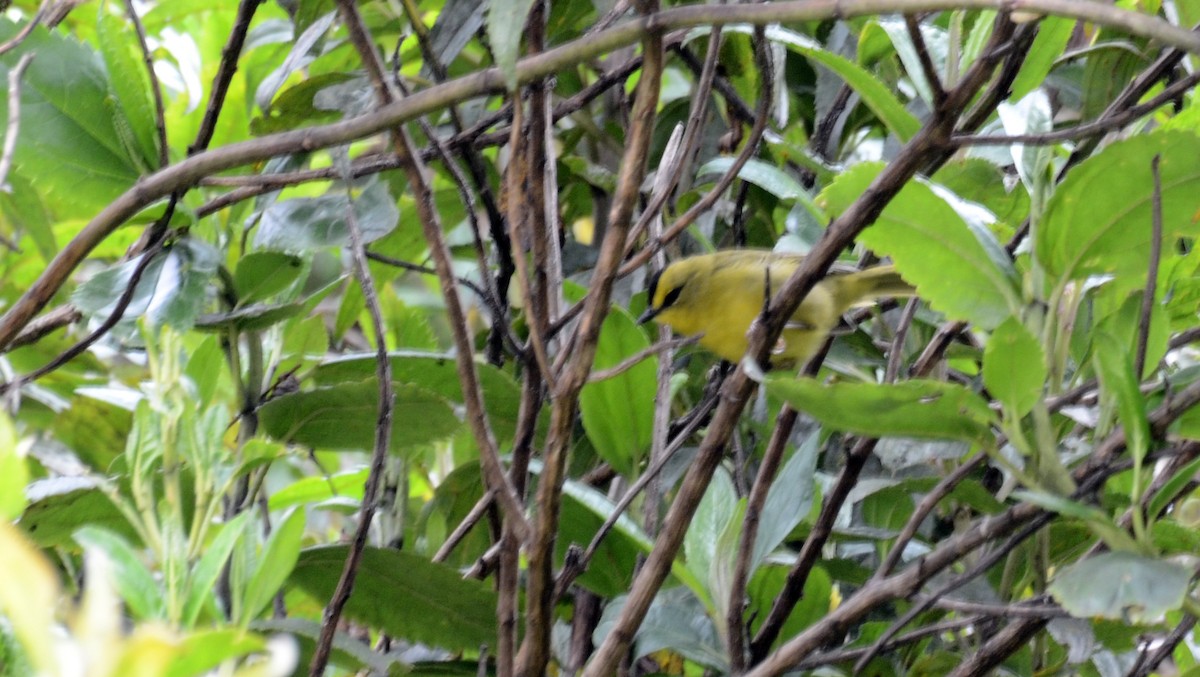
x,y
672,297
653,286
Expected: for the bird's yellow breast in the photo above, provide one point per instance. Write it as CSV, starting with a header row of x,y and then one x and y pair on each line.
x,y
733,296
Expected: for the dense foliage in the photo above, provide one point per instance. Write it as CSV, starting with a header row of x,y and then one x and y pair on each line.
x,y
318,353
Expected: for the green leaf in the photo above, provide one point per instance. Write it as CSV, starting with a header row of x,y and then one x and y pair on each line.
x,y
618,412
982,182
611,569
278,557
260,275
133,581
254,317
453,499
1121,586
1014,367
305,223
202,579
505,25
1117,311
1031,115
888,509
788,500
205,367
405,595
29,596
305,342
59,506
130,84
875,95
956,265
346,486
342,417
69,140
295,106
675,621
204,651
619,549
593,173
713,514
1114,366
172,290
348,652
935,44
1098,221
13,472
771,179
1172,538
409,325
22,209
1109,67
437,373
299,56
1096,519
1173,487
1048,46
814,603
918,408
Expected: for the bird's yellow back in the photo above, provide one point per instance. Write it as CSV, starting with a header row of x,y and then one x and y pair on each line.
x,y
719,295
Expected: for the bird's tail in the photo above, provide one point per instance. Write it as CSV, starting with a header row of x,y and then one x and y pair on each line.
x,y
867,285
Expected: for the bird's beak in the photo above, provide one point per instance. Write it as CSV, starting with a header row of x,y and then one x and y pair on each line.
x,y
650,314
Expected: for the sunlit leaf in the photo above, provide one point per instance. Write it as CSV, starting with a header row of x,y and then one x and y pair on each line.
x,y
928,409
1098,222
618,412
956,264
1014,367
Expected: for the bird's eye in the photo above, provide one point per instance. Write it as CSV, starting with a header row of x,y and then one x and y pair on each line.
x,y
671,297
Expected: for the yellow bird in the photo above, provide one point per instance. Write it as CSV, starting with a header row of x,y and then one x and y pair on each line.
x,y
718,295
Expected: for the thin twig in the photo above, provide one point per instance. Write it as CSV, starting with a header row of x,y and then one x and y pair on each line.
x,y
45,324
928,69
1156,237
735,626
923,509
16,40
160,121
896,354
660,427
573,569
1097,127
1154,653
681,160
464,527
844,655
14,118
633,360
225,71
1033,608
